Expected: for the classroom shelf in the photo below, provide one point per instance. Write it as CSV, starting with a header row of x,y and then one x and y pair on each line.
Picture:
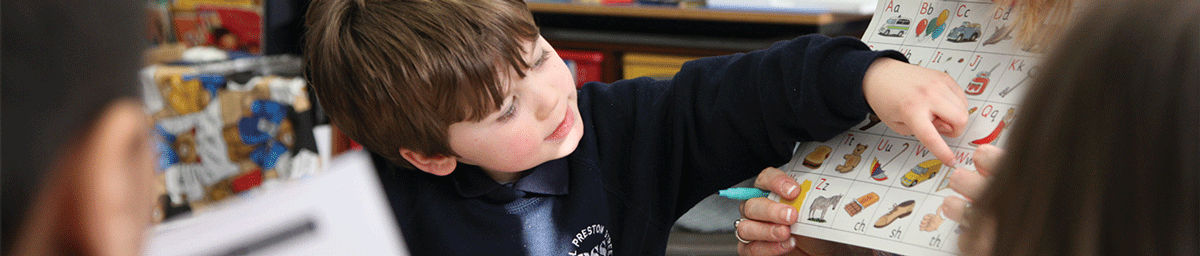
x,y
615,30
703,14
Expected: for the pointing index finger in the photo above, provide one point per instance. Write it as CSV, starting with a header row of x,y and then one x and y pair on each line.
x,y
929,136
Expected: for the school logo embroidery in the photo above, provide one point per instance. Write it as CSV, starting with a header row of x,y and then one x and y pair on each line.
x,y
594,237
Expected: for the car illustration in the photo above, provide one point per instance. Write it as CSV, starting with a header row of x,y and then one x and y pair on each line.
x,y
921,172
895,26
968,32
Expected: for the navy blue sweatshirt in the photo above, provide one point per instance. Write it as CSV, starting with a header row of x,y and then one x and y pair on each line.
x,y
650,151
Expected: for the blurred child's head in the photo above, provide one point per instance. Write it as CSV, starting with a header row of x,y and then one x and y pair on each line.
x,y
78,162
1039,21
1105,159
427,84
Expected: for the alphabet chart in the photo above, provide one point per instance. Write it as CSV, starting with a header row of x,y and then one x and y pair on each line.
x,y
875,188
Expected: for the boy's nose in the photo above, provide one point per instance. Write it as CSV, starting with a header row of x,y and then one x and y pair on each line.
x,y
546,100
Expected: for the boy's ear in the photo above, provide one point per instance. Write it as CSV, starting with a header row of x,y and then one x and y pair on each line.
x,y
437,165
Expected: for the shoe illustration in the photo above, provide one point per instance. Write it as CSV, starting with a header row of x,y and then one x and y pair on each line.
x,y
999,128
817,157
899,211
799,201
877,170
856,206
921,172
874,121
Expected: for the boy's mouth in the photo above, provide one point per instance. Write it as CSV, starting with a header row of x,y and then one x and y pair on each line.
x,y
564,127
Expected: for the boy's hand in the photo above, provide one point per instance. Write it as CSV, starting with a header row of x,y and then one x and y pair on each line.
x,y
768,223
918,101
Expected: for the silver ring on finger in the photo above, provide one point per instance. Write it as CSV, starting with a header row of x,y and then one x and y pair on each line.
x,y
964,224
968,212
735,231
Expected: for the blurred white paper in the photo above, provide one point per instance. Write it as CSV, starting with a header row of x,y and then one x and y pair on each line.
x,y
341,211
323,134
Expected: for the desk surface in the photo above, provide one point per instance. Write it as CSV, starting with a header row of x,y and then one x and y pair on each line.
x,y
666,12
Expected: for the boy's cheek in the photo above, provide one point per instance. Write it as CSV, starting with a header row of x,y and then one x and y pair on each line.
x,y
524,147
515,154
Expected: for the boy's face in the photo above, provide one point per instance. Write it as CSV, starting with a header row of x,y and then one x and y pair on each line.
x,y
539,120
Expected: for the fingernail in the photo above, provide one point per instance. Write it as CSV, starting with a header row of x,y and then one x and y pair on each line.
x,y
787,214
955,179
790,244
781,231
790,189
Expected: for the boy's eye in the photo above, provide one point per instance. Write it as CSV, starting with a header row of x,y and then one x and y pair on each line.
x,y
509,112
545,56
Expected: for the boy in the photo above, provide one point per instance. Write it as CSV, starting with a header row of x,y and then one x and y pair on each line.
x,y
484,146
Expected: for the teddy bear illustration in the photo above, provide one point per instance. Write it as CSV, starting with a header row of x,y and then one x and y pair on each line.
x,y
852,159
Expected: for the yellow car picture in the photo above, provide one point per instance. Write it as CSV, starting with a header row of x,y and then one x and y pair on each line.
x,y
921,172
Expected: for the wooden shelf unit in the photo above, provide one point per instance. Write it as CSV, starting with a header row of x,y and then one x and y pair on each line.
x,y
705,14
617,29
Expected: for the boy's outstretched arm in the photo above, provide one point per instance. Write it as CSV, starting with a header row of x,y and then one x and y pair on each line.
x,y
911,100
722,119
918,101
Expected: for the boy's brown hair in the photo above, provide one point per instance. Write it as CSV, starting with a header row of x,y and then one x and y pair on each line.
x,y
395,74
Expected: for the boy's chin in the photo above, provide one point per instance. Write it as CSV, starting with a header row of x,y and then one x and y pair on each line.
x,y
569,144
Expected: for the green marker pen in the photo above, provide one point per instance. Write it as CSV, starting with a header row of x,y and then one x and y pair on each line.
x,y
743,193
